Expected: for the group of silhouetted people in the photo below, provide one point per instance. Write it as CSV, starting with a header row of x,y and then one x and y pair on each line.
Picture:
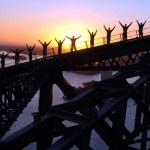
x,y
124,35
16,55
125,29
73,40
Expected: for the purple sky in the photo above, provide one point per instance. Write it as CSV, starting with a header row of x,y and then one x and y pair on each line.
x,y
26,21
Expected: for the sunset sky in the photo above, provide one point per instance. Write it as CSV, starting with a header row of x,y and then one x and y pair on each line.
x,y
27,21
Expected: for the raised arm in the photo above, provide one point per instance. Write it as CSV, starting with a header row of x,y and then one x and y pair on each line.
x,y
129,25
27,46
63,40
113,28
105,27
49,42
33,46
40,42
56,40
137,22
144,22
78,37
21,51
68,37
89,31
121,24
95,32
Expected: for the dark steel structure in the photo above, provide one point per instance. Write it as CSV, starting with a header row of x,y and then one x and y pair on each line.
x,y
89,110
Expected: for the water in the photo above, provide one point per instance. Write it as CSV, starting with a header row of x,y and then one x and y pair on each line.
x,y
76,80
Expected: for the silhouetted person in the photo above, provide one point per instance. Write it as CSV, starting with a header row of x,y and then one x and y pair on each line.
x,y
3,56
60,43
73,42
30,51
17,53
141,26
109,31
125,29
45,45
92,36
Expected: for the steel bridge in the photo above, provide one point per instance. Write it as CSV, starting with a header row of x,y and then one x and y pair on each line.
x,y
89,109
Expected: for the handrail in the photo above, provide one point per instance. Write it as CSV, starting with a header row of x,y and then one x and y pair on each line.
x,y
98,42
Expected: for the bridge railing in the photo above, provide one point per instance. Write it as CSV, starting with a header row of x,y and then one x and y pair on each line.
x,y
103,40
98,42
